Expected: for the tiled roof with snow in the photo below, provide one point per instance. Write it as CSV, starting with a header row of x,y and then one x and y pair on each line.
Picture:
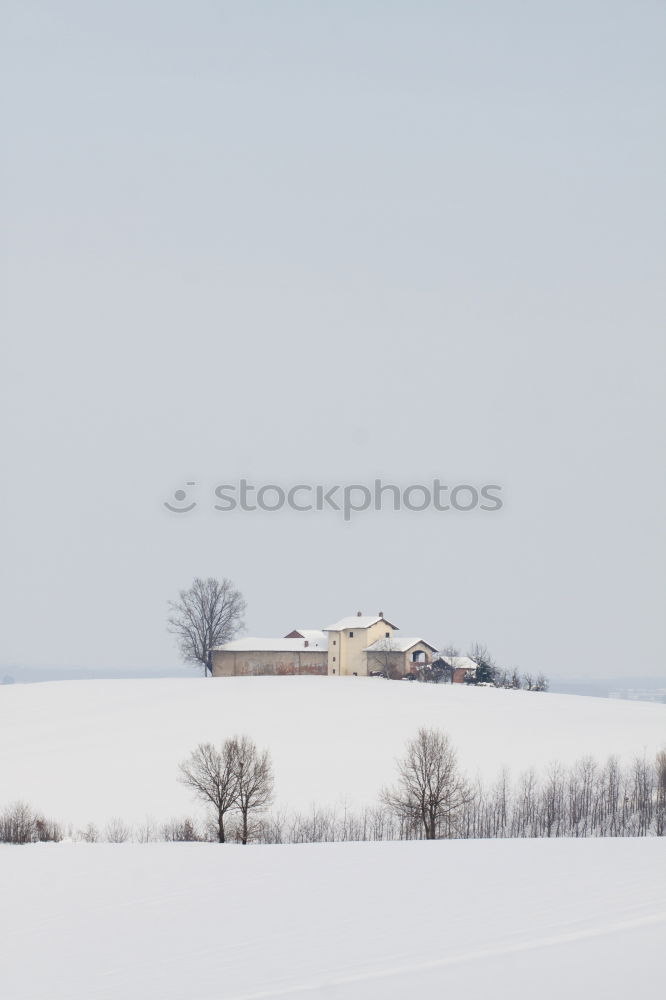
x,y
458,662
397,644
356,621
262,645
312,634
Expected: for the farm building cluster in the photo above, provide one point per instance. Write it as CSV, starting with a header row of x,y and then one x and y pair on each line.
x,y
359,645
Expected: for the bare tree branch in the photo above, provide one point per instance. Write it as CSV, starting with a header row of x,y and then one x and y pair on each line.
x,y
209,614
211,775
253,771
431,792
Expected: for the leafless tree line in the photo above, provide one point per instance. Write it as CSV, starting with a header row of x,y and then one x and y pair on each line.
x,y
19,824
431,799
585,800
434,801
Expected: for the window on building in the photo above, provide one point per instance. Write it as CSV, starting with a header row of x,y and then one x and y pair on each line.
x,y
351,635
333,659
387,635
334,642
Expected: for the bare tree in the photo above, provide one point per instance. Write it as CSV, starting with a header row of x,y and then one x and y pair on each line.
x,y
253,772
147,832
117,831
180,829
502,678
208,614
542,683
47,829
17,824
90,834
660,805
430,792
211,774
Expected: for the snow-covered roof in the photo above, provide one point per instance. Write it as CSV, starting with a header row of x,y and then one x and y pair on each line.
x,y
356,621
397,643
312,634
262,645
458,662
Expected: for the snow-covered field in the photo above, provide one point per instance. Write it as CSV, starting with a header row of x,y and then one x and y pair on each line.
x,y
390,921
368,921
85,751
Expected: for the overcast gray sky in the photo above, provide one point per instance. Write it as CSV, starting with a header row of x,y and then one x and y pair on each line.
x,y
307,242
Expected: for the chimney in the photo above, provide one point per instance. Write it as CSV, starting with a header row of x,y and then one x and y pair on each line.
x,y
359,614
381,614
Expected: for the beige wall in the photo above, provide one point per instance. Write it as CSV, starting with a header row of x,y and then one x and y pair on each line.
x,y
346,654
424,648
335,651
237,663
